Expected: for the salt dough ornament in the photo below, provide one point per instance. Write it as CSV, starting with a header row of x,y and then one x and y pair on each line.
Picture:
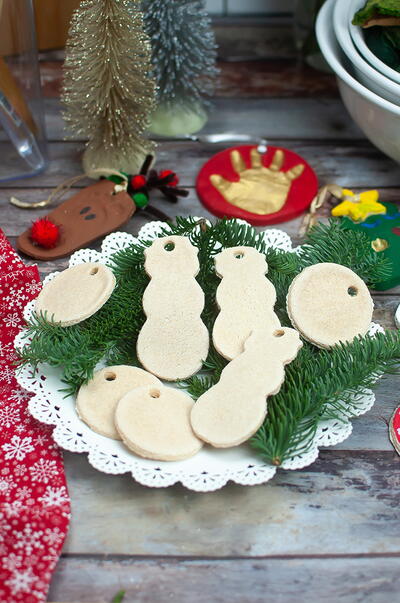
x,y
246,299
394,430
262,188
89,214
154,422
328,303
231,411
76,293
384,234
173,342
97,400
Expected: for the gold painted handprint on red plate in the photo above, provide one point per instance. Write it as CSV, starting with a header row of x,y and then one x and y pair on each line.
x,y
260,188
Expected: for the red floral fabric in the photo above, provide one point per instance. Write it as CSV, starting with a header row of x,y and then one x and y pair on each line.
x,y
34,501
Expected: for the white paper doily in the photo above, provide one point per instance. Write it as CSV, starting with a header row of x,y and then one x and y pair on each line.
x,y
211,468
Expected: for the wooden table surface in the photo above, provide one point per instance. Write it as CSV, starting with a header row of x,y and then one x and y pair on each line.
x,y
326,533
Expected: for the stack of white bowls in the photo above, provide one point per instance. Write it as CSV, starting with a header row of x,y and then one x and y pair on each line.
x,y
369,88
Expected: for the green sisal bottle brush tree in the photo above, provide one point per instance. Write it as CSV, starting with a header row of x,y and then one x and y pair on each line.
x,y
183,63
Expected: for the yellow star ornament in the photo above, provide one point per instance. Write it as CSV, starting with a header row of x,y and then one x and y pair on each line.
x,y
359,207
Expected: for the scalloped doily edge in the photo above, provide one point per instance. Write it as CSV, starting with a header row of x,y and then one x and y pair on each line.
x,y
251,475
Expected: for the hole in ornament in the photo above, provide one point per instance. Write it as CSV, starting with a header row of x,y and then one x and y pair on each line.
x,y
239,255
169,246
90,217
155,393
94,271
279,333
110,376
352,291
85,210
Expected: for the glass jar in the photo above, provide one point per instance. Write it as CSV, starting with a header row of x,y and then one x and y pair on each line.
x,y
22,132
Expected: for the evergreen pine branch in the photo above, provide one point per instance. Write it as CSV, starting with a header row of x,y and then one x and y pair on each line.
x,y
331,243
197,385
320,385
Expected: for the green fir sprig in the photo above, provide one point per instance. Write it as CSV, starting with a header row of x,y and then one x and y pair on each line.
x,y
322,385
319,384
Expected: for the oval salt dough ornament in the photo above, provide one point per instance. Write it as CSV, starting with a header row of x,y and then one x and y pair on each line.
x,y
173,342
76,293
154,422
329,303
97,400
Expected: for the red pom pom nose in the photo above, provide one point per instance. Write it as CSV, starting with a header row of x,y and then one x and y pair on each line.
x,y
44,233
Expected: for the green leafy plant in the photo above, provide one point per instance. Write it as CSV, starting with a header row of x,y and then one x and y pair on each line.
x,y
376,8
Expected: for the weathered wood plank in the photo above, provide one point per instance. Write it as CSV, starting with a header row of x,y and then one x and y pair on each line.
x,y
351,165
245,79
354,580
306,118
238,38
274,78
345,503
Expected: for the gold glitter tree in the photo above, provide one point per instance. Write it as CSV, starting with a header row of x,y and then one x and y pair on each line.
x,y
107,92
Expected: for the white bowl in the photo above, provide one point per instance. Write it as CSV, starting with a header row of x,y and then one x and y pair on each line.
x,y
357,36
366,74
377,118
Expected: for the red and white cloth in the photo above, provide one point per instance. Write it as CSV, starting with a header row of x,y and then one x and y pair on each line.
x,y
34,501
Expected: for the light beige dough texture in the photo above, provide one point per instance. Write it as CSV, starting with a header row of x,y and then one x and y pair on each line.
x,y
231,411
97,400
329,303
173,342
76,293
154,422
246,299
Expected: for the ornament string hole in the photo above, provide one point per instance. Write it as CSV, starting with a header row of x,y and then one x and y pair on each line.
x,y
352,291
155,393
110,376
239,255
93,271
169,246
279,333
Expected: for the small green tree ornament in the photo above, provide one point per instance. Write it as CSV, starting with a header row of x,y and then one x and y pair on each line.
x,y
107,93
183,59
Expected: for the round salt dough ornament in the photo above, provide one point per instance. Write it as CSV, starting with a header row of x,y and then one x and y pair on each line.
x,y
328,303
76,293
154,422
97,400
261,188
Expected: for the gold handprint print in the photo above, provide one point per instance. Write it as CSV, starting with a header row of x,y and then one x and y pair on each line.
x,y
260,190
